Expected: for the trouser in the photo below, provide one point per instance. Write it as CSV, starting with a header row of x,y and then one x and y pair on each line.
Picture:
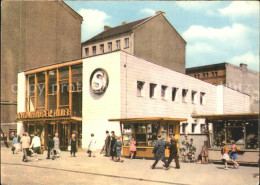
x,y
107,151
72,151
176,158
156,161
49,153
25,154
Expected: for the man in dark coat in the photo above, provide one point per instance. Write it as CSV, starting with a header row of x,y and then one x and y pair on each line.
x,y
107,143
111,145
159,152
50,145
173,152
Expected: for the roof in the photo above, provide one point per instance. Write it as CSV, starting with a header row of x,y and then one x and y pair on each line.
x,y
212,67
149,119
237,116
71,10
118,30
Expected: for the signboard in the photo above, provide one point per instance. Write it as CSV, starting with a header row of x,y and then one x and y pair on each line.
x,y
99,81
44,114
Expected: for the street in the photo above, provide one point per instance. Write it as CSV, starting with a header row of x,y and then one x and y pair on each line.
x,y
102,170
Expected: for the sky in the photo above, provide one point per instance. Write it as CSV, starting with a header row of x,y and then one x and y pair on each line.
x,y
215,31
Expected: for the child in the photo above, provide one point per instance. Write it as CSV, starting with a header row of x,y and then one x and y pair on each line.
x,y
118,148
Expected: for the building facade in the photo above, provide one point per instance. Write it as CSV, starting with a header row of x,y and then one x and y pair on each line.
x,y
115,87
152,38
236,77
33,34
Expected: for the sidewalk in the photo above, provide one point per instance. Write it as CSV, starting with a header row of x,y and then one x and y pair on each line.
x,y
102,170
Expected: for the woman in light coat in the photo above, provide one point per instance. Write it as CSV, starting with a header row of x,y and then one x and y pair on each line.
x,y
92,146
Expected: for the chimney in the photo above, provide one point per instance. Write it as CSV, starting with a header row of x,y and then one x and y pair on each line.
x,y
123,23
243,66
160,12
106,28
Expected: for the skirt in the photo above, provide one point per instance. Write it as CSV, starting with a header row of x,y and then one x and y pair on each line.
x,y
233,155
37,150
118,151
225,157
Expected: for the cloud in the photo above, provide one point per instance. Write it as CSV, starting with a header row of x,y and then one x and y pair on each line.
x,y
241,9
196,5
147,11
247,58
94,21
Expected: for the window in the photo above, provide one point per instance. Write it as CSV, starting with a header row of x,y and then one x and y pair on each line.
x,y
140,86
52,90
30,93
94,50
76,90
213,73
109,46
195,76
174,93
126,42
87,52
152,90
118,46
41,91
193,96
164,92
101,48
202,128
202,98
193,127
204,75
183,128
184,95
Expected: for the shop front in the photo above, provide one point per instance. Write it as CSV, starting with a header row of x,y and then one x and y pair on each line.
x,y
241,128
145,131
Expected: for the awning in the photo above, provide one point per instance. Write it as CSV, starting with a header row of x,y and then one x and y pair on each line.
x,y
149,119
238,116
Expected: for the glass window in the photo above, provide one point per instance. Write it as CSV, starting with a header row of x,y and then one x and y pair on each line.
x,y
251,135
64,93
140,86
152,90
193,126
202,98
202,128
101,48
118,46
31,85
163,92
52,102
236,134
64,73
109,46
184,95
94,50
153,130
174,93
128,133
41,77
76,77
164,131
126,42
140,134
77,104
193,96
41,95
87,52
30,104
52,86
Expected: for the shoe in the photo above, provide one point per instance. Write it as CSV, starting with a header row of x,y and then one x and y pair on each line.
x,y
167,168
25,161
226,168
177,167
47,158
237,165
152,167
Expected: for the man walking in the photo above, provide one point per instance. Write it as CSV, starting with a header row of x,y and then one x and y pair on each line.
x,y
159,152
50,145
25,141
173,152
107,143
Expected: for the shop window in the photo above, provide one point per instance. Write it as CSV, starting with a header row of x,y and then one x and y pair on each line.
x,y
86,52
76,77
126,42
164,92
128,133
80,134
94,50
101,48
184,95
118,45
193,127
152,131
109,46
152,90
164,131
236,134
140,88
174,93
64,93
202,98
251,135
193,96
77,104
140,134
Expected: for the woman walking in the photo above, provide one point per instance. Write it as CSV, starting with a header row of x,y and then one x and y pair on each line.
x,y
118,149
224,153
112,143
92,146
73,145
15,144
36,145
132,147
233,154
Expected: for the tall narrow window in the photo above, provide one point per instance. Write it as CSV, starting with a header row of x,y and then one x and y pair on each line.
x,y
52,90
174,93
202,128
118,46
152,90
202,98
76,71
193,126
86,52
163,92
101,48
184,95
193,96
140,87
40,91
94,50
109,46
126,42
184,126
30,93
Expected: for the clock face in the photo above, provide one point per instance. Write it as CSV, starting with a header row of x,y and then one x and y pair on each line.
x,y
99,81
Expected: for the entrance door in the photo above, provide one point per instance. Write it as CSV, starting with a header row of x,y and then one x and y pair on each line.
x,y
64,136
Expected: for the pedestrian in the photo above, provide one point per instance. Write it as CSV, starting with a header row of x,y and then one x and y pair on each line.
x,y
56,148
36,145
73,145
107,142
50,145
132,147
92,146
15,144
112,143
159,152
224,153
233,154
173,152
118,149
5,140
25,141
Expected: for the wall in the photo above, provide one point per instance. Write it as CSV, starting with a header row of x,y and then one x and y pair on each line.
x,y
157,41
97,109
105,42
